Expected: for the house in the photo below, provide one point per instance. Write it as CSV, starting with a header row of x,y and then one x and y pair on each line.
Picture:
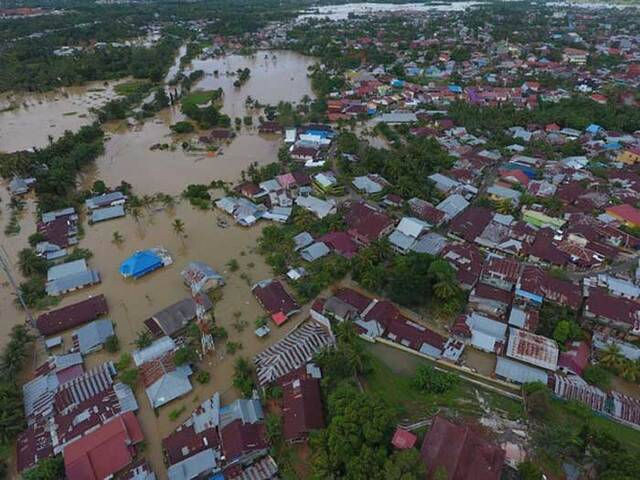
x,y
201,463
520,373
105,451
327,183
629,156
272,296
20,186
294,351
340,243
60,227
501,272
314,251
490,300
320,208
533,349
425,211
70,276
627,214
365,224
174,318
143,262
405,236
575,359
620,313
201,278
301,408
74,315
536,285
105,200
573,387
461,452
484,333
92,337
107,213
452,206
431,243
403,439
242,432
575,55
370,184
157,349
164,381
471,223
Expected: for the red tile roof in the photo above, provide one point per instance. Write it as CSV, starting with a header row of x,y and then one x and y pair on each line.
x,y
470,223
563,292
576,358
62,319
104,451
615,309
353,298
185,442
403,439
463,453
341,243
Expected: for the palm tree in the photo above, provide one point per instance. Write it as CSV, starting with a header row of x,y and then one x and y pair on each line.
x,y
631,370
117,239
178,229
611,356
143,340
31,264
445,289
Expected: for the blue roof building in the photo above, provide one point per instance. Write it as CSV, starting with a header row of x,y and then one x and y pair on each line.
x,y
140,264
593,128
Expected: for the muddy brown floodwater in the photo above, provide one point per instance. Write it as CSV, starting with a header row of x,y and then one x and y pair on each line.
x,y
27,120
128,157
276,75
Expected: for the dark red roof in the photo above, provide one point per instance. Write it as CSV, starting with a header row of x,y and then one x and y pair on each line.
x,y
239,439
491,293
471,223
353,298
412,335
58,231
365,224
104,451
301,408
616,309
185,442
576,358
563,292
64,318
340,243
463,453
274,298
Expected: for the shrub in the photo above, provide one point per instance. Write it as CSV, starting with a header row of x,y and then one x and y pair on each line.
x,y
430,380
112,344
124,362
183,127
176,412
203,377
129,377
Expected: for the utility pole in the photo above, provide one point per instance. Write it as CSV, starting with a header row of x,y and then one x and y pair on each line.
x,y
6,267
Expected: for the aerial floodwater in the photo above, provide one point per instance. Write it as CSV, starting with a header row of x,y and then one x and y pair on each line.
x,y
28,120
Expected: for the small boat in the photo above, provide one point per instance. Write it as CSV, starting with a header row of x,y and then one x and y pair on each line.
x,y
221,222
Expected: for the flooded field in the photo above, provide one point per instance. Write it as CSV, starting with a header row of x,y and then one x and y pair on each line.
x,y
27,121
276,75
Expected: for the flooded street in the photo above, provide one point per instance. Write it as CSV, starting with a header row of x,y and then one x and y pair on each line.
x,y
27,121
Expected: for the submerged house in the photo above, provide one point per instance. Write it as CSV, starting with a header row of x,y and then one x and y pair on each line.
x,y
201,278
173,319
74,315
70,276
272,296
144,262
164,381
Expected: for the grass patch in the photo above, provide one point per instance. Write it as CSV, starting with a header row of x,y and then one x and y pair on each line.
x,y
197,98
132,87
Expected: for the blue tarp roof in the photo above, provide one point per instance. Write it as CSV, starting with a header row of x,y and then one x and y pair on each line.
x,y
455,88
140,263
593,128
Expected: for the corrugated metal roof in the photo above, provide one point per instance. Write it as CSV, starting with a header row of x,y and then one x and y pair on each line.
x,y
531,348
519,372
